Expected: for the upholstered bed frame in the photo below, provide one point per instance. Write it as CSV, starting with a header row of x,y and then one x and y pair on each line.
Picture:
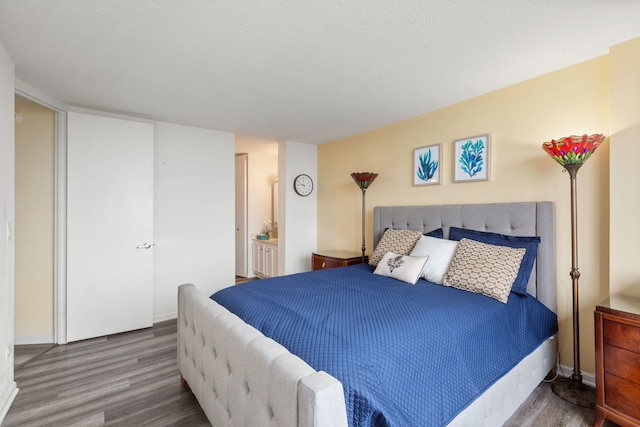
x,y
242,378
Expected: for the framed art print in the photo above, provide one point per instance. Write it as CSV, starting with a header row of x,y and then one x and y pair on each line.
x,y
471,159
426,165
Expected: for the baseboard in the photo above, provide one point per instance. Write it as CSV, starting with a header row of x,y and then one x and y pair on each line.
x,y
164,317
33,340
7,400
587,377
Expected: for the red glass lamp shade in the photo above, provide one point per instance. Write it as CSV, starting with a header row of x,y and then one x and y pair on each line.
x,y
364,179
573,150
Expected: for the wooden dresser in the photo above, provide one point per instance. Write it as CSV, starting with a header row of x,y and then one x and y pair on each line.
x,y
332,259
617,334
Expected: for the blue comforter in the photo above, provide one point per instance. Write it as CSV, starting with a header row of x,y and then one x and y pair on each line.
x,y
406,355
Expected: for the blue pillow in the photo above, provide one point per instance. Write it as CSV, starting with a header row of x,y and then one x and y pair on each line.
x,y
528,243
435,233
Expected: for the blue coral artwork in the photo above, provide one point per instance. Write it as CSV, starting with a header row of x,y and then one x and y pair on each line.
x,y
426,165
471,159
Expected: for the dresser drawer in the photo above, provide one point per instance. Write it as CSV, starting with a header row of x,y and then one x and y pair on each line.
x,y
622,363
621,335
617,337
622,395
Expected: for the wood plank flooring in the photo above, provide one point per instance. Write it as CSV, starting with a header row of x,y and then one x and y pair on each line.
x,y
128,379
132,379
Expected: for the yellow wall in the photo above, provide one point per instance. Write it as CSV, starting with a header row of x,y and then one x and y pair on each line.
x,y
519,119
34,224
625,173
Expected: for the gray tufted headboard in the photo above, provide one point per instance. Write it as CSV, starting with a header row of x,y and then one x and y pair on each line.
x,y
517,219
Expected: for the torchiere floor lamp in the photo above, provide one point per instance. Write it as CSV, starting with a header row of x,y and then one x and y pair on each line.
x,y
364,180
572,152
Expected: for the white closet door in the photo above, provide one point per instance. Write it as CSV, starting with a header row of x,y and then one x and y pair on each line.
x,y
109,226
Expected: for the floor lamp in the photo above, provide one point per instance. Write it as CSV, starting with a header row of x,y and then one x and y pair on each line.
x,y
572,152
364,180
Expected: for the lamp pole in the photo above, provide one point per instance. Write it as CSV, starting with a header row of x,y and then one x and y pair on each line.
x,y
364,190
575,273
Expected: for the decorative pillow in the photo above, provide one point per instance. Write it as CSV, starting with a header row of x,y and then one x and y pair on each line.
x,y
397,241
438,232
485,269
528,243
435,233
401,267
440,253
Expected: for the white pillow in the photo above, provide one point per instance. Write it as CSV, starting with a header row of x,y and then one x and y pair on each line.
x,y
401,267
440,253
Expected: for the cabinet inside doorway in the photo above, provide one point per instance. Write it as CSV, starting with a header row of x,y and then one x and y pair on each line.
x,y
265,258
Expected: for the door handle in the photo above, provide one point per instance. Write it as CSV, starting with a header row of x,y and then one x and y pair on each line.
x,y
145,245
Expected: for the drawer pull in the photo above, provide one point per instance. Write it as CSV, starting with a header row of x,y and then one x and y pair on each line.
x,y
324,265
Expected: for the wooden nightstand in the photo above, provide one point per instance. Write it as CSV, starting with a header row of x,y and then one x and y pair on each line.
x,y
332,259
617,330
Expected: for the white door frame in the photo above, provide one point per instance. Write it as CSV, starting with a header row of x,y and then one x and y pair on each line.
x,y
60,207
60,232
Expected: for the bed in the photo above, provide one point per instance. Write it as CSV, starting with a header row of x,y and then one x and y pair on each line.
x,y
243,378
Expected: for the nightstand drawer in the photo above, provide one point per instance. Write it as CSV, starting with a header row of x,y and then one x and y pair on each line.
x,y
621,335
320,263
622,363
322,260
622,395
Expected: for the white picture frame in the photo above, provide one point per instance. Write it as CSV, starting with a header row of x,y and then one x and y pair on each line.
x,y
472,159
427,165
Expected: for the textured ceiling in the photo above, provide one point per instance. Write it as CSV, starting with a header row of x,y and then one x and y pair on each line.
x,y
307,70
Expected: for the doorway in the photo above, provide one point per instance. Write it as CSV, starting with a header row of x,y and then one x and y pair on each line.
x,y
241,216
35,140
256,202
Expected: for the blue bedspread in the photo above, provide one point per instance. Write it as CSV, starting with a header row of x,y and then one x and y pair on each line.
x,y
406,355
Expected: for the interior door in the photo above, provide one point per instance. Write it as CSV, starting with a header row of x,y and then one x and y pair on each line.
x,y
241,215
109,226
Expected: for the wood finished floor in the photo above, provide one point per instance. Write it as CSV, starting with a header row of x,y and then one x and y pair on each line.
x,y
132,379
128,379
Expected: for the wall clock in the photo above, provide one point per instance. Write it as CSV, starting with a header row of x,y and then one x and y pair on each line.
x,y
303,185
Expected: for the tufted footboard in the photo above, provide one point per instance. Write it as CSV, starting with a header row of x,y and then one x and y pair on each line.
x,y
242,378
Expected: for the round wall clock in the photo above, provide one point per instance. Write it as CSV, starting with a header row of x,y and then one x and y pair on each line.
x,y
303,185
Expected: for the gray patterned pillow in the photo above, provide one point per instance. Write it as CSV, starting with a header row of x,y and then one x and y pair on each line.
x,y
399,242
485,269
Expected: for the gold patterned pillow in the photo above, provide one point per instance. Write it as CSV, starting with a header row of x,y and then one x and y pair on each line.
x,y
485,269
399,242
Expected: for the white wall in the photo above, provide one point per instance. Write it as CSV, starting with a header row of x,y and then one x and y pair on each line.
x,y
8,388
194,217
298,216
